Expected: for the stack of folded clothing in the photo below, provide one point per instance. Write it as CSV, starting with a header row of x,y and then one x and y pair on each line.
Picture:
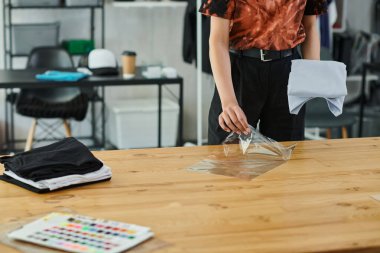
x,y
63,164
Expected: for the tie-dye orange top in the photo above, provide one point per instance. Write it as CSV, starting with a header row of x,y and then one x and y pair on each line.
x,y
263,24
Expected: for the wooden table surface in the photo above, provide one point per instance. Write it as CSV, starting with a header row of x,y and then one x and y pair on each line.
x,y
319,201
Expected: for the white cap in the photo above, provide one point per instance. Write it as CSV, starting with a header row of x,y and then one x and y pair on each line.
x,y
102,62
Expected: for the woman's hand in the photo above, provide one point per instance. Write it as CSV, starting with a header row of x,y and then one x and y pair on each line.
x,y
233,119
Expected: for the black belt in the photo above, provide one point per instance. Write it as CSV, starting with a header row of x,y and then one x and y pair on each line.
x,y
264,55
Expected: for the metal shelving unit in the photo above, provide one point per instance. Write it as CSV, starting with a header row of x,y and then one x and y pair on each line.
x,y
8,12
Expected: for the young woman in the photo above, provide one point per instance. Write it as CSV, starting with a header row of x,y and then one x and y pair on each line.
x,y
252,43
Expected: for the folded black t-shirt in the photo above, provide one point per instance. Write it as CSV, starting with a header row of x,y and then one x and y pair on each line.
x,y
63,158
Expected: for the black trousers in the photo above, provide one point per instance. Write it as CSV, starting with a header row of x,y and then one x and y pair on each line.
x,y
261,90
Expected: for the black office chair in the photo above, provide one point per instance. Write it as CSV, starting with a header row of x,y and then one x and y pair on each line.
x,y
65,103
319,116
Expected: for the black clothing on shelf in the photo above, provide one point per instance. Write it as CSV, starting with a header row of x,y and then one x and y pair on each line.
x,y
189,49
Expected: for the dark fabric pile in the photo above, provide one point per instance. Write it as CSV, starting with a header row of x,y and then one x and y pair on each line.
x,y
60,159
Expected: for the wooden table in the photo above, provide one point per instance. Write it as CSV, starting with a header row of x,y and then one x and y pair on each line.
x,y
320,201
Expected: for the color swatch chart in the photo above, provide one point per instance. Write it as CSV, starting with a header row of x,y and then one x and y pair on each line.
x,y
82,234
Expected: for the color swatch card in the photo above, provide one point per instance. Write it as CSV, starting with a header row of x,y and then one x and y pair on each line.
x,y
76,233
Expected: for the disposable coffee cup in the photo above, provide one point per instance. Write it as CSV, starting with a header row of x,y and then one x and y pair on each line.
x,y
129,64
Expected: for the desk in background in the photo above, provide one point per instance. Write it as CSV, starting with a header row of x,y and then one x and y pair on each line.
x,y
319,201
11,79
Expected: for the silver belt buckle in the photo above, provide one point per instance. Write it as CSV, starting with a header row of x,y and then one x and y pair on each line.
x,y
262,56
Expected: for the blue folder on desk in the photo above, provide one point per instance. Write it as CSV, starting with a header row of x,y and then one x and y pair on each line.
x,y
61,76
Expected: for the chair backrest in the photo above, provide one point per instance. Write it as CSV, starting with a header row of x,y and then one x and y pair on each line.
x,y
49,57
317,106
326,54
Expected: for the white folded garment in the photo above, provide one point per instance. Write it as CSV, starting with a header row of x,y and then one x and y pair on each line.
x,y
60,182
311,79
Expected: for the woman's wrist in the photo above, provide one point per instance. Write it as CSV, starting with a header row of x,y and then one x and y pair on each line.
x,y
229,102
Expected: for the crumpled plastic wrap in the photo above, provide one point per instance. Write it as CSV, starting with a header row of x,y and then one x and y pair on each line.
x,y
256,143
245,156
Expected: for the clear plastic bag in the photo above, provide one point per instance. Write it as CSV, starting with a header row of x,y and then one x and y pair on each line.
x,y
245,156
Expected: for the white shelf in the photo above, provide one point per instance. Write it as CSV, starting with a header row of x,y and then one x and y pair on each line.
x,y
149,4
